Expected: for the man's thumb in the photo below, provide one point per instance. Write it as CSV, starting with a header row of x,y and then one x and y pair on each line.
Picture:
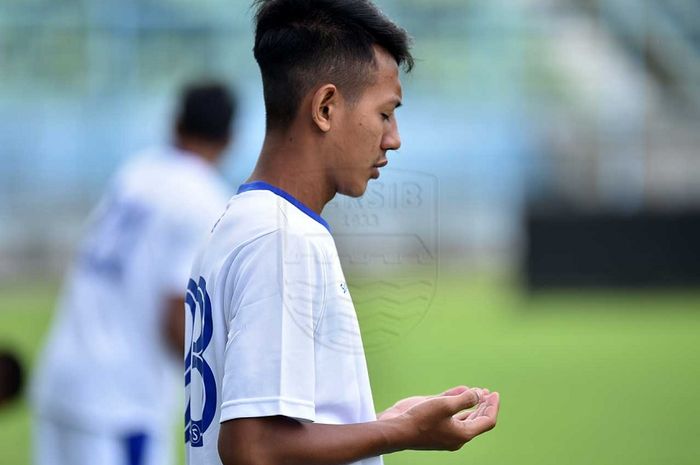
x,y
455,391
465,400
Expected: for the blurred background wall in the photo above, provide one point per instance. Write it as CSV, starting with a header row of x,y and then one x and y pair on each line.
x,y
514,106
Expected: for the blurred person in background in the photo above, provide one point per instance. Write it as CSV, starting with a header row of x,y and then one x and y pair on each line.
x,y
107,385
11,377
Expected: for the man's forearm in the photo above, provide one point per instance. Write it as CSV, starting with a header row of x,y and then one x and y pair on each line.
x,y
285,441
437,423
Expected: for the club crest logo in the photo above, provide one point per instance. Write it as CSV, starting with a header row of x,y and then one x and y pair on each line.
x,y
387,245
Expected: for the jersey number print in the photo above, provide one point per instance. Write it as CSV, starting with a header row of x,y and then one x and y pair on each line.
x,y
201,402
114,235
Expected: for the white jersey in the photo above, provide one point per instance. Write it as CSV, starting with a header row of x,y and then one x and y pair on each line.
x,y
106,363
271,324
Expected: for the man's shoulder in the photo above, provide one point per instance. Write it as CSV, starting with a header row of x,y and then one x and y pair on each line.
x,y
253,231
190,177
175,185
264,206
250,216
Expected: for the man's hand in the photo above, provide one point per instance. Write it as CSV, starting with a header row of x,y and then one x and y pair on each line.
x,y
444,423
404,405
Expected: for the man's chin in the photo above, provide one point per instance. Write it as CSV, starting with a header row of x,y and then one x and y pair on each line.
x,y
355,190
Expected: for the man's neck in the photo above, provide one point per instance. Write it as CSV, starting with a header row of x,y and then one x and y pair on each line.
x,y
207,152
293,166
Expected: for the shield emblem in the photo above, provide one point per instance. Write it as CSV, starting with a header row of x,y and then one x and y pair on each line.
x,y
387,241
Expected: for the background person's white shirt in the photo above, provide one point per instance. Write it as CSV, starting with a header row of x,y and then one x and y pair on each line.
x,y
106,364
271,328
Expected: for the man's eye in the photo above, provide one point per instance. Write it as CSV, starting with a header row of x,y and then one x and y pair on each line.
x,y
385,117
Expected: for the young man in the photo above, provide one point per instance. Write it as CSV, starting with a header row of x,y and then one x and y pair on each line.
x,y
107,386
274,351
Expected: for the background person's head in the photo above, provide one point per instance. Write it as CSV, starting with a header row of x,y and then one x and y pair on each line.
x,y
204,118
11,377
330,68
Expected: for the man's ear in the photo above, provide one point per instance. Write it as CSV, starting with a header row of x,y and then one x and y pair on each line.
x,y
323,105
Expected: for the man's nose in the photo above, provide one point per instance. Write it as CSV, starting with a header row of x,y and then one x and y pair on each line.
x,y
392,140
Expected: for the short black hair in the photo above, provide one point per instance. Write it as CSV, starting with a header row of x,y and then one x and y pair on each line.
x,y
301,43
206,110
11,376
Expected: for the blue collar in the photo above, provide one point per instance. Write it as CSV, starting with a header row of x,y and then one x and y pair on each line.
x,y
263,186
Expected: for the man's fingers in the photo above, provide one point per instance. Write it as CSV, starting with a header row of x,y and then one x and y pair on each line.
x,y
489,401
465,415
460,389
488,416
480,420
479,425
471,414
464,400
455,391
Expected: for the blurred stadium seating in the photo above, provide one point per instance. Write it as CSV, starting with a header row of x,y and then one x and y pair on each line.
x,y
583,104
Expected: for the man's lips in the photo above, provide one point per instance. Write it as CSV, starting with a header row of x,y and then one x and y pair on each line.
x,y
382,163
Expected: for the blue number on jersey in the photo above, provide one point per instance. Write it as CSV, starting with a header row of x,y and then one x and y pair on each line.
x,y
197,370
113,236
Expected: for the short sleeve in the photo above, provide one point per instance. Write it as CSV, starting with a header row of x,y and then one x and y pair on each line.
x,y
276,299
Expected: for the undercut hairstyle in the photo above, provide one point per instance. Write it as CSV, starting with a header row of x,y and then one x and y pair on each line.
x,y
300,44
11,376
206,110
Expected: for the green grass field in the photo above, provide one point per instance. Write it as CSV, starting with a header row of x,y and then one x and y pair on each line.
x,y
585,378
